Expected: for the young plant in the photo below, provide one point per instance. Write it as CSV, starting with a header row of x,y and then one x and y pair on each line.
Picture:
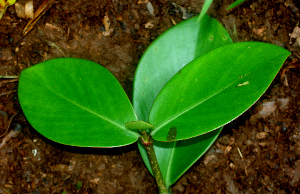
x,y
190,82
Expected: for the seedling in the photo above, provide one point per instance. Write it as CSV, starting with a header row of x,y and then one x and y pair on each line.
x,y
189,83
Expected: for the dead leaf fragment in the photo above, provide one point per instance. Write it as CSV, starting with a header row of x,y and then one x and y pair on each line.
x,y
208,159
182,9
262,135
227,150
37,15
260,32
283,103
149,25
265,109
52,27
295,33
95,180
263,144
173,21
106,23
58,167
231,165
297,42
150,8
142,1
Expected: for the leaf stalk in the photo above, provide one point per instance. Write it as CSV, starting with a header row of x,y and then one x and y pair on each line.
x,y
148,144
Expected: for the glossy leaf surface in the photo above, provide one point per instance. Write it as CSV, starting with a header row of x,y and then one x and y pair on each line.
x,y
214,89
169,53
177,47
76,102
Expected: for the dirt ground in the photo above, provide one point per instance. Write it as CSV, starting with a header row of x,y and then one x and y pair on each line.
x,y
257,153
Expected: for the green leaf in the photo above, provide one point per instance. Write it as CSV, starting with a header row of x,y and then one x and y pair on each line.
x,y
138,125
205,7
169,53
176,157
76,102
162,60
11,2
215,88
234,4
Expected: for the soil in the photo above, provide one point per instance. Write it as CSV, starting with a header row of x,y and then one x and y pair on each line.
x,y
257,153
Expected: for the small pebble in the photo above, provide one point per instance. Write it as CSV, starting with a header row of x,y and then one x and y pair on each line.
x,y
284,128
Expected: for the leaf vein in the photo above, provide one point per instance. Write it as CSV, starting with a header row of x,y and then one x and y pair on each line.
x,y
188,109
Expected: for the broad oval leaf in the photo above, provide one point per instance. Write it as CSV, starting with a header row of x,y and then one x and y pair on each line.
x,y
215,88
169,53
76,102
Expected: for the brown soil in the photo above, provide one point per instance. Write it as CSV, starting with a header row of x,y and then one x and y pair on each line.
x,y
254,154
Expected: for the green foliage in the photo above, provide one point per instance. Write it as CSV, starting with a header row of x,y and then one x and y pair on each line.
x,y
176,157
78,185
151,76
234,4
232,83
205,7
189,83
138,125
207,4
76,102
175,48
153,83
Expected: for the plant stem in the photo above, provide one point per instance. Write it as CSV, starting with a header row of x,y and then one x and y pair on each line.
x,y
148,144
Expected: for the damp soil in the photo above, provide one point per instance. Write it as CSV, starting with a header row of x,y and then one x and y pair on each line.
x,y
259,152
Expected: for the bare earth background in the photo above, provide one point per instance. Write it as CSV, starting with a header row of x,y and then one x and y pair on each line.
x,y
257,153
